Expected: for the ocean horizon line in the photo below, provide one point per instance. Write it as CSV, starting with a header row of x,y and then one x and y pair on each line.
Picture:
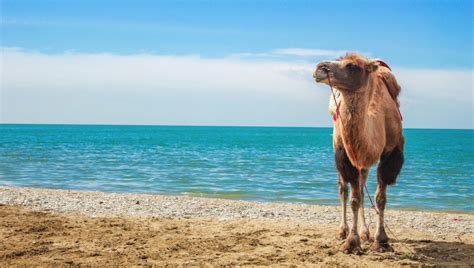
x,y
223,126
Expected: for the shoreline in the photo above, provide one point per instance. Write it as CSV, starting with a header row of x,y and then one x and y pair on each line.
x,y
65,227
219,197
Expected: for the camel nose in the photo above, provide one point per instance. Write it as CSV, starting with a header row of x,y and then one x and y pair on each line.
x,y
323,66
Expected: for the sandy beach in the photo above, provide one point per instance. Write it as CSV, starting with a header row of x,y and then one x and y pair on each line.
x,y
62,227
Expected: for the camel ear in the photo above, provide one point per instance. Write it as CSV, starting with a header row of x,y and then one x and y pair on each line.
x,y
373,66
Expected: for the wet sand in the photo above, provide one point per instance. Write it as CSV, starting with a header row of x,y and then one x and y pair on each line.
x,y
57,227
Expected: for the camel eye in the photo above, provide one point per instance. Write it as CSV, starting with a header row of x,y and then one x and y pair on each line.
x,y
352,67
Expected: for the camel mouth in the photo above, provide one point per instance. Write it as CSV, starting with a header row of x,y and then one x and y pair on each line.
x,y
321,80
320,75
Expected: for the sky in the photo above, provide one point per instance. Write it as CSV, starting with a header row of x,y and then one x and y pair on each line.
x,y
246,63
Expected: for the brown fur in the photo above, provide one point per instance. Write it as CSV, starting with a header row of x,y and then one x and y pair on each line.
x,y
391,83
369,129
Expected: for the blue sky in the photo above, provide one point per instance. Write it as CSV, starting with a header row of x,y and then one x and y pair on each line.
x,y
421,39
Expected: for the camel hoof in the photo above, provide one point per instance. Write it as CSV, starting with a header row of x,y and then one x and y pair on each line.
x,y
342,233
365,236
381,247
352,245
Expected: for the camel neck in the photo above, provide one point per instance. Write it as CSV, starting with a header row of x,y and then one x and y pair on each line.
x,y
354,109
354,119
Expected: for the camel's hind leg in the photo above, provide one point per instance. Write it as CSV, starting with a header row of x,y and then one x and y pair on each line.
x,y
343,191
387,172
363,230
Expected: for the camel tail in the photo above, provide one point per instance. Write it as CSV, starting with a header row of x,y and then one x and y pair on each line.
x,y
391,84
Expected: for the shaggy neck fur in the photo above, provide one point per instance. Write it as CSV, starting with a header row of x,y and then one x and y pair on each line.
x,y
354,124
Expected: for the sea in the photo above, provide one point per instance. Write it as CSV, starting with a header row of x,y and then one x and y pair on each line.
x,y
267,164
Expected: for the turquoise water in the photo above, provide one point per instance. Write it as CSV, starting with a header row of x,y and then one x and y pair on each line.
x,y
249,163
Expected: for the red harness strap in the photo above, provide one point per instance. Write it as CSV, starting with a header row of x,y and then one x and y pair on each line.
x,y
382,63
336,115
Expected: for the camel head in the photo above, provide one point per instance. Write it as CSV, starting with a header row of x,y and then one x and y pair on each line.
x,y
348,74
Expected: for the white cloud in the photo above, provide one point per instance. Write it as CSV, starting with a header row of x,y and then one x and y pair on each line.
x,y
157,89
437,98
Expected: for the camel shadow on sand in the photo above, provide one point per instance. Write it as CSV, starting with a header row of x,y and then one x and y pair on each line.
x,y
435,252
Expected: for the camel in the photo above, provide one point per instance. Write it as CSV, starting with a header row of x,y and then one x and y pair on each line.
x,y
367,129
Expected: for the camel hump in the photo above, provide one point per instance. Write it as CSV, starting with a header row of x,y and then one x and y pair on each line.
x,y
391,82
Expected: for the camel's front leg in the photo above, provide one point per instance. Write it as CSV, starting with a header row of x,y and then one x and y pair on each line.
x,y
350,174
343,191
352,244
363,230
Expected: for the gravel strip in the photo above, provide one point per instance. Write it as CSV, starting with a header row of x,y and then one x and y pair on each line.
x,y
100,204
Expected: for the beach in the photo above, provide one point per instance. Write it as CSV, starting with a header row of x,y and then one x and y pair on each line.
x,y
65,227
